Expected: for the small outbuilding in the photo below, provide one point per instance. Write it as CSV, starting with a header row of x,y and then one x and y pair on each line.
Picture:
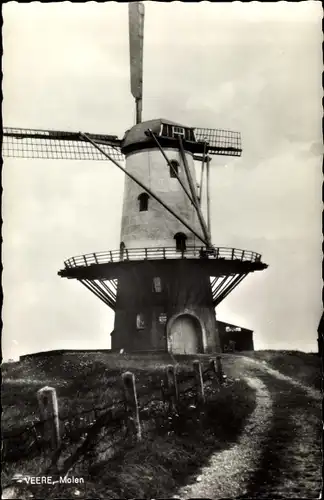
x,y
234,338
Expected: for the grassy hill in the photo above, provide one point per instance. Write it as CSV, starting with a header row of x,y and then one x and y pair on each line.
x,y
174,445
172,448
82,381
302,366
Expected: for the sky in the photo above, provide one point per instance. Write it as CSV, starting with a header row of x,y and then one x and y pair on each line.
x,y
253,67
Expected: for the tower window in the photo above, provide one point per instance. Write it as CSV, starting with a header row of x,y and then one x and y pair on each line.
x,y
157,284
174,168
140,321
143,202
180,242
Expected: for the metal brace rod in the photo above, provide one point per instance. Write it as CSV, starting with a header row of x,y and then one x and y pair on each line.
x,y
164,205
194,194
151,133
208,193
202,174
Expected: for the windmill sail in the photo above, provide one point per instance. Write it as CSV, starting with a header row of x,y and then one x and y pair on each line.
x,y
51,144
136,40
219,141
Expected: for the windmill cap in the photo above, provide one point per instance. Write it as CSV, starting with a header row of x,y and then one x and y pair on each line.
x,y
137,134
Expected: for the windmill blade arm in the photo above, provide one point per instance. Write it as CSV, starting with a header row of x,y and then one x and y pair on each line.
x,y
220,142
51,144
136,40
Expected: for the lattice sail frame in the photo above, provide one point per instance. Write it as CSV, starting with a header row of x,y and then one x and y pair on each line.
x,y
219,141
60,145
57,145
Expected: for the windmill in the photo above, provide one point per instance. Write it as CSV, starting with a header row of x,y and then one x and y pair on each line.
x,y
166,278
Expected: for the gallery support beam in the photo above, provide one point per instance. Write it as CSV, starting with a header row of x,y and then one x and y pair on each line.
x,y
229,285
90,285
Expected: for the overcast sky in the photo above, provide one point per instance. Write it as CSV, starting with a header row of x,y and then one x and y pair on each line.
x,y
252,67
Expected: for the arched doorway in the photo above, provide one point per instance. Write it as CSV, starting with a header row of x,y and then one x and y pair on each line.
x,y
185,335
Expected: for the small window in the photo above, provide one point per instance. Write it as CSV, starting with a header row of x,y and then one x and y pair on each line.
x,y
164,130
178,131
157,284
167,130
190,136
162,318
143,202
140,322
175,131
180,242
174,168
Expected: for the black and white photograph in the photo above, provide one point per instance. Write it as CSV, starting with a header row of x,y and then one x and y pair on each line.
x,y
162,256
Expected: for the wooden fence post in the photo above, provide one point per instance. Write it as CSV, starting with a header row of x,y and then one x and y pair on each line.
x,y
131,404
213,369
172,386
219,369
48,408
212,366
199,381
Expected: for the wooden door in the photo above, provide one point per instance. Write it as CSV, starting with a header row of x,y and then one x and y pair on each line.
x,y
185,332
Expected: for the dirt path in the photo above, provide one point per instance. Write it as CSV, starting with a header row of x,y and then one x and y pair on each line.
x,y
310,391
279,452
228,472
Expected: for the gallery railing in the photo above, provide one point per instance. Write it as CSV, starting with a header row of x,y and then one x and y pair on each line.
x,y
133,254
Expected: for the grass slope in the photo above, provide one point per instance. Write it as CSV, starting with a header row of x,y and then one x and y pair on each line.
x,y
302,366
172,448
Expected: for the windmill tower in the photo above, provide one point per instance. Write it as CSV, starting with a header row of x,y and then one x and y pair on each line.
x,y
166,278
